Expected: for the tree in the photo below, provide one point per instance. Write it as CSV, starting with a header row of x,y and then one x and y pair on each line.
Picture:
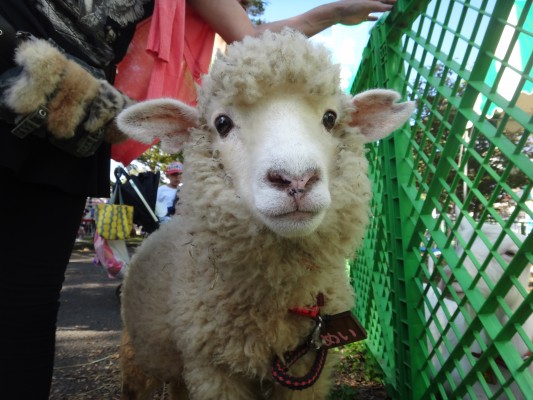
x,y
497,162
156,159
436,119
254,8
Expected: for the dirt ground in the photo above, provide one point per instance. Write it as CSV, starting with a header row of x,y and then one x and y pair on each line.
x,y
88,334
88,337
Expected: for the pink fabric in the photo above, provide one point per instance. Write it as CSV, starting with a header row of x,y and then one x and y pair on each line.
x,y
168,55
105,256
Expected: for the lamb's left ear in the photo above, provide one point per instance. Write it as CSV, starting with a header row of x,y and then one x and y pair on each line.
x,y
376,113
166,119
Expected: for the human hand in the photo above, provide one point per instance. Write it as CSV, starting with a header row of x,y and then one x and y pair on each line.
x,y
353,12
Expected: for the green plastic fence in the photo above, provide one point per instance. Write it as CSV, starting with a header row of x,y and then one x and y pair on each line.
x,y
445,322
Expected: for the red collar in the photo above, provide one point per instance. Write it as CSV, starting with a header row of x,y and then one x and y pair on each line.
x,y
311,312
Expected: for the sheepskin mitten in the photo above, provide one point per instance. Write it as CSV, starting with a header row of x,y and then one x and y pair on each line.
x,y
75,102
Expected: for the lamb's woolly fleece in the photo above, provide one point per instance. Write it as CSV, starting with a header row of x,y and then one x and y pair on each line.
x,y
217,285
210,291
251,67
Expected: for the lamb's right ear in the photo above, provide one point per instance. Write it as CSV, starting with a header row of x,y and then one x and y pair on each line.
x,y
166,119
377,113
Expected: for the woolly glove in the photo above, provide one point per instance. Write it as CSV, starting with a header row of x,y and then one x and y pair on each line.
x,y
75,103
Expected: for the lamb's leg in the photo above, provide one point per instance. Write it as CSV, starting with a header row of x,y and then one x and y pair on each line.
x,y
136,385
207,382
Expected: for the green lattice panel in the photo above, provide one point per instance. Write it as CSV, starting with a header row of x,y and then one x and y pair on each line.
x,y
445,322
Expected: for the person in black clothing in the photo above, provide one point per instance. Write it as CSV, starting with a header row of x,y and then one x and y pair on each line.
x,y
35,247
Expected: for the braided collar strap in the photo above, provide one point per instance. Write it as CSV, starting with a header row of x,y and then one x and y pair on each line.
x,y
280,367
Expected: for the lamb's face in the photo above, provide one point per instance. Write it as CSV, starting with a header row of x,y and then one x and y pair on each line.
x,y
272,110
279,153
279,149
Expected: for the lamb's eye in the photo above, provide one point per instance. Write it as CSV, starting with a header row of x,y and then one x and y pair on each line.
x,y
224,125
329,119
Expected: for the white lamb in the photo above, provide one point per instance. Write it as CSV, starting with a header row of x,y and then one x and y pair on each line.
x,y
447,312
275,196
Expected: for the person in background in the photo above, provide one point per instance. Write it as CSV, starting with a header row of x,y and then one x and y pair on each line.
x,y
57,105
167,193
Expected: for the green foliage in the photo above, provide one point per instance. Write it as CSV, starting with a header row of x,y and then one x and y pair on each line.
x,y
254,8
437,117
357,356
343,392
156,159
358,365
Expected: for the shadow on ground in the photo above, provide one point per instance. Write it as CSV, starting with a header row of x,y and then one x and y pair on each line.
x,y
88,333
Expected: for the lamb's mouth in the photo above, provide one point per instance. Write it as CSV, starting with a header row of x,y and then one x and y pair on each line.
x,y
296,215
294,223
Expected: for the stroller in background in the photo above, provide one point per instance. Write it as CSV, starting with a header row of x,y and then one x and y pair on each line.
x,y
140,192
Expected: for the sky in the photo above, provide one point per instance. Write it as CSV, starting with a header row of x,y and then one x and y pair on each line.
x,y
345,42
